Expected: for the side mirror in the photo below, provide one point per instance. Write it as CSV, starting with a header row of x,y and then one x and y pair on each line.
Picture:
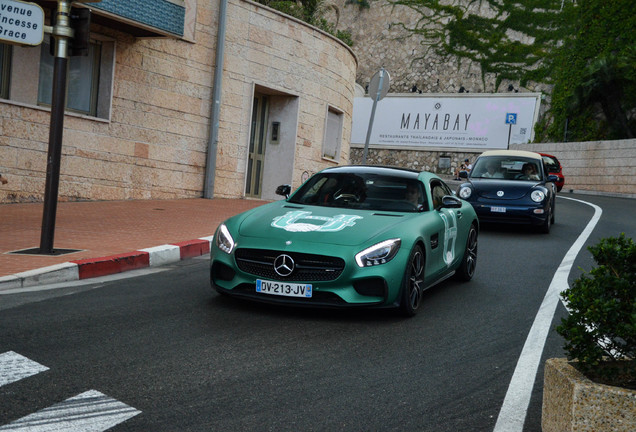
x,y
283,190
552,178
450,201
463,174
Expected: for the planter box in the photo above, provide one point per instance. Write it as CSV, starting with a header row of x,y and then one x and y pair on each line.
x,y
574,403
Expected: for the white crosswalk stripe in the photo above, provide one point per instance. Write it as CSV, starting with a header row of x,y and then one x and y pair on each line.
x,y
14,367
91,411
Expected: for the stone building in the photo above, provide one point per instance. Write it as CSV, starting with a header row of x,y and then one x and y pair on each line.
x,y
139,121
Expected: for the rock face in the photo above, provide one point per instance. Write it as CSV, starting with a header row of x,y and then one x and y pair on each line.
x,y
381,41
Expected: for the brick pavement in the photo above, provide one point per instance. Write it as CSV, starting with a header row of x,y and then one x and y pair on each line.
x,y
108,228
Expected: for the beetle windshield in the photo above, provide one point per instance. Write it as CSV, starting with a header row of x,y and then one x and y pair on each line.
x,y
506,167
362,191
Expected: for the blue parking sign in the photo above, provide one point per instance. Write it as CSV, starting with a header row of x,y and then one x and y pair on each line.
x,y
511,118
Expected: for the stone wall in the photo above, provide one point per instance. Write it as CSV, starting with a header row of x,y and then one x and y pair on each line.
x,y
442,162
595,166
154,144
589,167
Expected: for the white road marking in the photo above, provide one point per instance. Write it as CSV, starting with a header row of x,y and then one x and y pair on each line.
x,y
90,411
515,406
14,367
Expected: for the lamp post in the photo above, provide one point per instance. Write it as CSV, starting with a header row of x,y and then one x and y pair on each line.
x,y
61,33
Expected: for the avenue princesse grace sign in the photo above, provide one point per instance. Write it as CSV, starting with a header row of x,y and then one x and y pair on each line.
x,y
21,22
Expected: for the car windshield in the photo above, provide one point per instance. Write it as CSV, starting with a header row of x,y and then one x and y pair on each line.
x,y
366,191
507,167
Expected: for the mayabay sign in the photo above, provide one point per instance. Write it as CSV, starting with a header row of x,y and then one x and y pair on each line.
x,y
21,23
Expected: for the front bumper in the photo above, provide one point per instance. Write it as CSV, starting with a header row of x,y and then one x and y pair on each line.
x,y
377,286
505,212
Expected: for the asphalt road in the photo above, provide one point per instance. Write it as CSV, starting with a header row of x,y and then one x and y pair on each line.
x,y
166,353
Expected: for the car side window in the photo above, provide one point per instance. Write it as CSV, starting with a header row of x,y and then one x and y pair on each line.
x,y
438,191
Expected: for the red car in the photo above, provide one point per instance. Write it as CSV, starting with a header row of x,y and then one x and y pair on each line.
x,y
554,167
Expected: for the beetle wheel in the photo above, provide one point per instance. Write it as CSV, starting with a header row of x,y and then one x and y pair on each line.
x,y
545,226
413,285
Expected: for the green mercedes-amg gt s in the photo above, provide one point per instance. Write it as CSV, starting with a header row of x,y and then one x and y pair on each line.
x,y
349,236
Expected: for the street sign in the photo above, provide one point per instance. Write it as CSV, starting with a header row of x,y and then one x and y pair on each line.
x,y
511,119
378,88
380,78
21,23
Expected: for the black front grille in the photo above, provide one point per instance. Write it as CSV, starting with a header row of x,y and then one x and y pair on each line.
x,y
307,267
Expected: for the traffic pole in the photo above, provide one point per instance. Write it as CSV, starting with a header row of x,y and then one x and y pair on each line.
x,y
62,32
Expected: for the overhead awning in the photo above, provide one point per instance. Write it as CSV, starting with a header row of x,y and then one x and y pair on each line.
x,y
140,18
146,17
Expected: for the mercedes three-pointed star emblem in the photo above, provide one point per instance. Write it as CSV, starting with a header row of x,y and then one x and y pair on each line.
x,y
284,265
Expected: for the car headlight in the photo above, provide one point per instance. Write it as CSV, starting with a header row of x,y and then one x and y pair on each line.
x,y
380,253
465,192
537,196
224,240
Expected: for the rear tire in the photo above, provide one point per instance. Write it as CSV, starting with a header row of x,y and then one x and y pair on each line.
x,y
466,270
413,284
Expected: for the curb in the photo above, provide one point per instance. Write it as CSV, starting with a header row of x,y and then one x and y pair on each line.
x,y
104,266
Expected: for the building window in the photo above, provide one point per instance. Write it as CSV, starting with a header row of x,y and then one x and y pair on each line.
x,y
82,80
5,70
27,77
333,134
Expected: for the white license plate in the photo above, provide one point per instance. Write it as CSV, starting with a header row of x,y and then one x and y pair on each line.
x,y
283,288
498,209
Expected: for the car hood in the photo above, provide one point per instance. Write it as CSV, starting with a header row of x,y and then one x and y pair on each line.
x,y
329,225
502,189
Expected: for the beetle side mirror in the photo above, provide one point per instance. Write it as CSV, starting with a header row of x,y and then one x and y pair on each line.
x,y
463,174
552,178
283,190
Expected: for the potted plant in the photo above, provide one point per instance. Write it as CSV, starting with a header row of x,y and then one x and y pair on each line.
x,y
595,388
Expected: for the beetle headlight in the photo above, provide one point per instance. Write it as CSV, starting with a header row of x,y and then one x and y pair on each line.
x,y
537,196
224,240
380,253
465,192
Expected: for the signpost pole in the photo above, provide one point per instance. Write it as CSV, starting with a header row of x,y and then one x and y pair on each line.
x,y
509,134
511,118
62,32
382,83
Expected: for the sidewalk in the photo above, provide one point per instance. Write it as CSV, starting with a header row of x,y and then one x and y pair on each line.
x,y
112,236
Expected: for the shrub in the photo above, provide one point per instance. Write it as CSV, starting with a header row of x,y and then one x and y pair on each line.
x,y
600,332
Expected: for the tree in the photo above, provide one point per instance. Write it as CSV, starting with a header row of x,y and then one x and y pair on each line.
x,y
583,48
313,12
513,40
594,76
603,82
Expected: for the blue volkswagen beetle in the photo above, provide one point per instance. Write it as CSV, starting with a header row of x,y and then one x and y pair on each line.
x,y
510,186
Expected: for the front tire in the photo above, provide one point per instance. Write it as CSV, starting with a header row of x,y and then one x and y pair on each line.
x,y
545,227
466,270
413,284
